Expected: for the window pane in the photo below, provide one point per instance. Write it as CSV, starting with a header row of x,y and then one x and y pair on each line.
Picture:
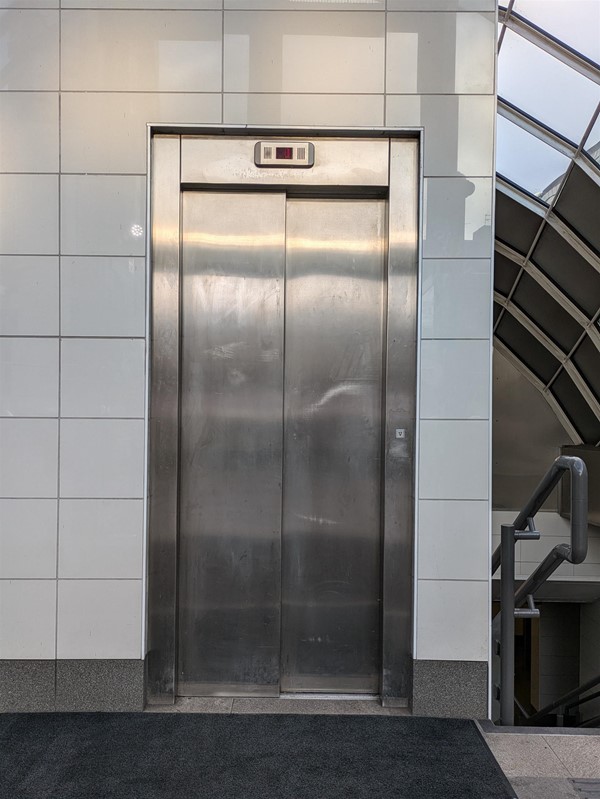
x,y
545,88
592,145
529,162
574,22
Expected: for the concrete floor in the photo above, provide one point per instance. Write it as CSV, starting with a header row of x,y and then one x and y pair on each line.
x,y
545,765
539,765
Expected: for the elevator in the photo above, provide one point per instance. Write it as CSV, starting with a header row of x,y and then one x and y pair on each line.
x,y
282,422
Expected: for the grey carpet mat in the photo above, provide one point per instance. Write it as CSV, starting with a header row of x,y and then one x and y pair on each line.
x,y
202,756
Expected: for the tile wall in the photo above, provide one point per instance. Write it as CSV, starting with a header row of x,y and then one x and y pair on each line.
x,y
80,80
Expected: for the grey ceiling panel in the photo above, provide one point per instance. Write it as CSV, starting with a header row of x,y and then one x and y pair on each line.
x,y
578,204
574,405
564,266
527,348
587,359
515,224
546,312
505,273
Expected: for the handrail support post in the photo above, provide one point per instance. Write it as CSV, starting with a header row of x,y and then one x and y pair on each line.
x,y
507,627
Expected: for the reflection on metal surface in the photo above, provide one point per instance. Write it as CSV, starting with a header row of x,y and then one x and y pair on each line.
x,y
328,441
338,162
230,477
233,240
164,421
332,446
400,410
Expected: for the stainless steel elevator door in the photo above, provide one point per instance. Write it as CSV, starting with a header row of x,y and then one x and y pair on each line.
x,y
231,443
280,454
335,282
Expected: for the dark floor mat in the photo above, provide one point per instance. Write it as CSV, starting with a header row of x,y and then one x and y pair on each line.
x,y
202,756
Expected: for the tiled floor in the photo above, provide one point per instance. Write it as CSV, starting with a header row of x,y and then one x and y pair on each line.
x,y
542,766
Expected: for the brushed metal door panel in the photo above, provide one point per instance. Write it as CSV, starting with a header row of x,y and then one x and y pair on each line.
x,y
331,526
231,443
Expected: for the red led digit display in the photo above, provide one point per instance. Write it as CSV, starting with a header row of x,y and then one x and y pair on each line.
x,y
284,152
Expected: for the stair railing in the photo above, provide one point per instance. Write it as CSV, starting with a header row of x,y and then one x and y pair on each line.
x,y
568,701
523,528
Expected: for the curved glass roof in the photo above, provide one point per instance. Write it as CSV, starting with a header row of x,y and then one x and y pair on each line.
x,y
547,265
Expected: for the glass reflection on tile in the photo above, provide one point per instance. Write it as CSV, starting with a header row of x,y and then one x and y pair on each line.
x,y
295,109
303,51
455,298
458,218
105,132
432,53
141,51
308,5
459,130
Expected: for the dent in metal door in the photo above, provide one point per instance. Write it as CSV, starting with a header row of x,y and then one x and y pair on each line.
x,y
231,443
335,281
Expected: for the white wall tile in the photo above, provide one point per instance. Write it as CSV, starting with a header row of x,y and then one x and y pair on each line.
x,y
524,569
29,377
453,540
106,132
141,51
459,130
101,538
298,5
433,53
143,4
28,457
28,132
103,214
452,620
103,296
455,298
28,295
458,218
102,377
267,52
29,3
29,219
294,109
441,5
455,379
27,619
28,538
99,619
454,459
25,33
536,551
587,570
102,458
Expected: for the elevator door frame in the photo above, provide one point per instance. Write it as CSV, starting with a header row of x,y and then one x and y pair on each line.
x,y
174,166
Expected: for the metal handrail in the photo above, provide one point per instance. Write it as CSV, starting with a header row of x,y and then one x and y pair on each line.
x,y
523,528
565,699
579,503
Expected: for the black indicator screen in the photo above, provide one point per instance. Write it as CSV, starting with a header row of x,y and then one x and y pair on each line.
x,y
287,153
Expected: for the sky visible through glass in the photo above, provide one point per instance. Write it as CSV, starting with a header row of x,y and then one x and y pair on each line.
x,y
546,88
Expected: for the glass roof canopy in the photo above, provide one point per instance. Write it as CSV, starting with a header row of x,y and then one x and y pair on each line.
x,y
547,265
